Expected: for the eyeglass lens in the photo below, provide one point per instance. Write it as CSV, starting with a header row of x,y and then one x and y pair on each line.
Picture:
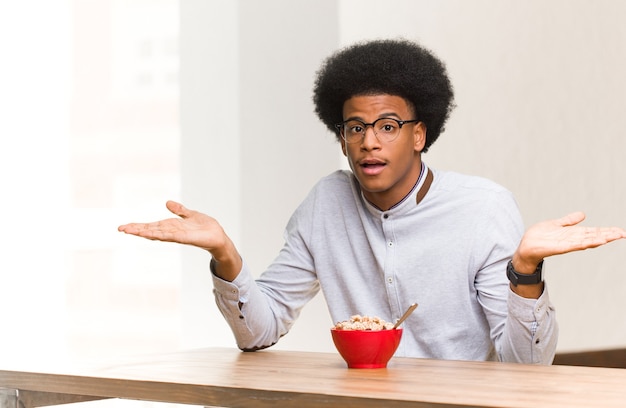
x,y
386,129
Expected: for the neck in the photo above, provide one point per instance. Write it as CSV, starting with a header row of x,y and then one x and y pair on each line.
x,y
385,201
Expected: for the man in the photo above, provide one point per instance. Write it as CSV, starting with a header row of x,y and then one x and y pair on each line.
x,y
392,231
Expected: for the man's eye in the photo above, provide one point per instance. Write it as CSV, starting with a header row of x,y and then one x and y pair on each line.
x,y
356,129
387,127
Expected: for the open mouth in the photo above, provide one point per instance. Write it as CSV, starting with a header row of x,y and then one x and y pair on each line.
x,y
372,167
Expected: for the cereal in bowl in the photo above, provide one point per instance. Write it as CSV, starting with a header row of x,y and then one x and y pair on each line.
x,y
358,322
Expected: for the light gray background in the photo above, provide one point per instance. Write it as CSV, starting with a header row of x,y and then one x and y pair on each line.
x,y
540,89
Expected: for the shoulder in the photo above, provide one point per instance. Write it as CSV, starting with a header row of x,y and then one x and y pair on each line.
x,y
336,179
338,186
336,190
337,183
482,202
471,194
463,183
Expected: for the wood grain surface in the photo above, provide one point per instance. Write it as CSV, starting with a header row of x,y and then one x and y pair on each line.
x,y
231,378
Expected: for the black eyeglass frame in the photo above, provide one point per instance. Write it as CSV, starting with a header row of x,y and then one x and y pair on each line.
x,y
340,126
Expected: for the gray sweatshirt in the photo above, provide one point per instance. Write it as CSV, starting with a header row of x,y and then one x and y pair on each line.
x,y
448,253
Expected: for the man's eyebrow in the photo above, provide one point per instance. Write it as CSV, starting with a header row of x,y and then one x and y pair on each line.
x,y
354,118
388,115
381,116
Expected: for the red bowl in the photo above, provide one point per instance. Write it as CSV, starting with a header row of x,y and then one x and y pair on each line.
x,y
366,348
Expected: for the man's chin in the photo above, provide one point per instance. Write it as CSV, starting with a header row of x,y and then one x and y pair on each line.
x,y
372,187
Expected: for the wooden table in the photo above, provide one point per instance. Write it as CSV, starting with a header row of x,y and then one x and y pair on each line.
x,y
271,378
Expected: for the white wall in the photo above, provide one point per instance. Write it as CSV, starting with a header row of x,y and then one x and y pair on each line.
x,y
539,88
251,145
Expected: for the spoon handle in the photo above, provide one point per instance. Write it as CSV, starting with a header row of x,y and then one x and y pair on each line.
x,y
405,315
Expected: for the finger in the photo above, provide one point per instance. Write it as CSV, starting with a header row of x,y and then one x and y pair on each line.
x,y
126,228
595,237
145,230
613,233
571,219
178,209
133,228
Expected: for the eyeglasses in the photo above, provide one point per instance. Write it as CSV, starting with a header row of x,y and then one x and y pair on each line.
x,y
385,129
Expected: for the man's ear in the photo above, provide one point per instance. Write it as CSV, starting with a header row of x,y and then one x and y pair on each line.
x,y
343,147
419,136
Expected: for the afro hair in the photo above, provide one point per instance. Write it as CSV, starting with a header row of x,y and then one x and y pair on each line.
x,y
394,67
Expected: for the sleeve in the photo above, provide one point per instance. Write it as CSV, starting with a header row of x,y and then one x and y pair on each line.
x,y
240,302
522,330
532,330
261,311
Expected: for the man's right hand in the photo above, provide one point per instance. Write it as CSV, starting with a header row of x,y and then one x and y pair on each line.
x,y
196,229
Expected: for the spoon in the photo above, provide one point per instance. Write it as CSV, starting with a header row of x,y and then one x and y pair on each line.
x,y
405,315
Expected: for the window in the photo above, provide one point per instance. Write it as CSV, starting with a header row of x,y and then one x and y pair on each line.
x,y
90,141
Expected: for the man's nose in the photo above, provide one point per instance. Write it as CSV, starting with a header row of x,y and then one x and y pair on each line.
x,y
370,140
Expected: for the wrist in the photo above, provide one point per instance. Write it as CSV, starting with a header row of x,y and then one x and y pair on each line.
x,y
226,262
517,278
528,285
525,265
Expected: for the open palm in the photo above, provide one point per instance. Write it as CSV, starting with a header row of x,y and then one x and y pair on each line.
x,y
562,235
190,228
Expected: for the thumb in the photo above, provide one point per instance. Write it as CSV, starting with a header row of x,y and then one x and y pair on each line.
x,y
178,209
571,219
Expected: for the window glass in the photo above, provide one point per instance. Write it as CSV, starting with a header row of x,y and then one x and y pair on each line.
x,y
90,140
